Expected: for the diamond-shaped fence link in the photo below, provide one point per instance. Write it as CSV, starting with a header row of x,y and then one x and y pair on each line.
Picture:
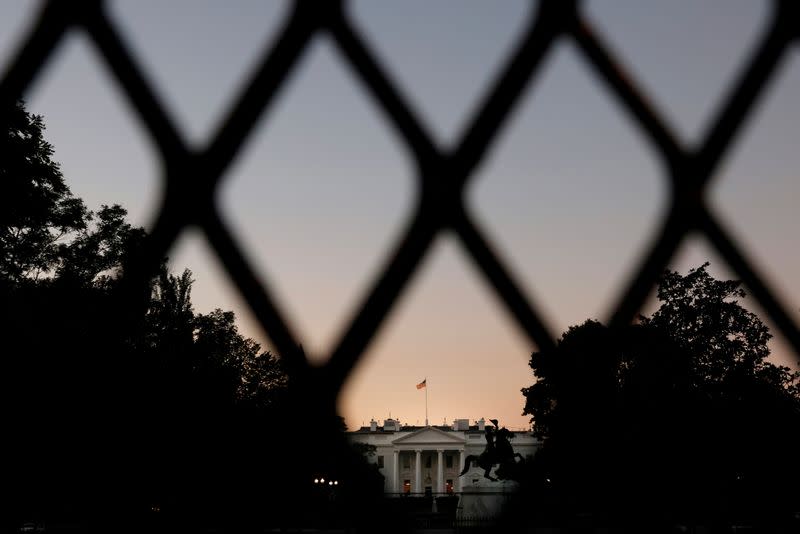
x,y
191,176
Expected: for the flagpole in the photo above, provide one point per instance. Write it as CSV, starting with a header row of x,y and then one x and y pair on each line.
x,y
424,385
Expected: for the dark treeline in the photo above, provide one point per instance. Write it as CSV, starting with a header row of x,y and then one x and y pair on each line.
x,y
679,419
162,417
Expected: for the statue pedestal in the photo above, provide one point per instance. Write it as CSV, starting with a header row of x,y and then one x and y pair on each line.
x,y
483,498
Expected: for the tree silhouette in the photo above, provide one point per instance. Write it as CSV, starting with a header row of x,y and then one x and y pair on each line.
x,y
704,317
106,415
37,209
678,418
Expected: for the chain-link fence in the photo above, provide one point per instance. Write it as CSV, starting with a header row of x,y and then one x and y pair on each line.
x,y
191,177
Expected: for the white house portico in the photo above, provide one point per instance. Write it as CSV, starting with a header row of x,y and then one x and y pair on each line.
x,y
427,460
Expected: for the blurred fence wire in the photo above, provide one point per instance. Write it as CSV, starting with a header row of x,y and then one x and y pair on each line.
x,y
191,175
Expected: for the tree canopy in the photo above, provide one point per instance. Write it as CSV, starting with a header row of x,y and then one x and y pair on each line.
x,y
704,316
680,416
156,409
37,209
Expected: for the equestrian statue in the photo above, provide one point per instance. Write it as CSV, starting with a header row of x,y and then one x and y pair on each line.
x,y
498,452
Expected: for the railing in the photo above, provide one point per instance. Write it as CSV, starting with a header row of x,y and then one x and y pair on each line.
x,y
474,523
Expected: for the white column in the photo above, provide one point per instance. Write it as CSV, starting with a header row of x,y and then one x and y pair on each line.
x,y
396,472
439,471
418,472
458,479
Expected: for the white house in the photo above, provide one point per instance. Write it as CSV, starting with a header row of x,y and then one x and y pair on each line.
x,y
427,460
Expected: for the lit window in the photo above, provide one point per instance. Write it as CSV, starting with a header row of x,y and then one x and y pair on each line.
x,y
406,486
449,485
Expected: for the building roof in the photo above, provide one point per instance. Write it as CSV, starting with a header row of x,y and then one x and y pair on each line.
x,y
473,429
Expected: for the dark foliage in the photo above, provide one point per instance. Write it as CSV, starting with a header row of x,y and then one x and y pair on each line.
x,y
165,419
679,419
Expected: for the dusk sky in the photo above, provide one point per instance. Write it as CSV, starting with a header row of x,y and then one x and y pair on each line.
x,y
570,192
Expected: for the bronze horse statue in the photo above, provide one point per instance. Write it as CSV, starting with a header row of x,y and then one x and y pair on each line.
x,y
498,452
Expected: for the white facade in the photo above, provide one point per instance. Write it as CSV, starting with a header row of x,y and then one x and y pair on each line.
x,y
428,459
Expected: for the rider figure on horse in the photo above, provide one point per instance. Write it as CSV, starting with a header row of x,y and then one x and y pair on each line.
x,y
498,451
489,434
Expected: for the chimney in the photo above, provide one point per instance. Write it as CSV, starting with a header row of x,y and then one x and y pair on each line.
x,y
461,424
481,424
373,425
